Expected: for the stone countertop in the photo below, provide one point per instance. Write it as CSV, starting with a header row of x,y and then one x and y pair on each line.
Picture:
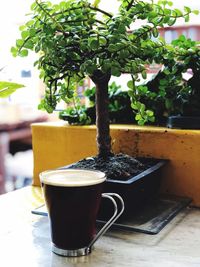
x,y
25,240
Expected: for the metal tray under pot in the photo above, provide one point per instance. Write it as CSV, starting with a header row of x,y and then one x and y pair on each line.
x,y
136,191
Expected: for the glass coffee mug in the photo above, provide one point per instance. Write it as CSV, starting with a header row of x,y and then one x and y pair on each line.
x,y
73,198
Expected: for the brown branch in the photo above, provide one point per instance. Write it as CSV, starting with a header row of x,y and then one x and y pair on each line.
x,y
75,21
25,41
101,11
67,10
145,32
100,22
102,114
130,5
49,15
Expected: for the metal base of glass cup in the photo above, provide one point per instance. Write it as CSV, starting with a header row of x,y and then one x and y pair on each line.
x,y
71,253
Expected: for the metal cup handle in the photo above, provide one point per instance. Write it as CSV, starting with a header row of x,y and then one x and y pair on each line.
x,y
115,216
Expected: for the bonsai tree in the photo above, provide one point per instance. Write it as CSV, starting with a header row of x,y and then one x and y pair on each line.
x,y
75,39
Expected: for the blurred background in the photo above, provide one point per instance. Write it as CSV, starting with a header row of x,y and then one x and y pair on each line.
x,y
20,110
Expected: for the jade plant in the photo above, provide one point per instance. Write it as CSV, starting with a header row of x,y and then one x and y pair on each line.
x,y
76,39
168,93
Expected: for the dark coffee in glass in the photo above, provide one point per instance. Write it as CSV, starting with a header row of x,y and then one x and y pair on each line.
x,y
73,198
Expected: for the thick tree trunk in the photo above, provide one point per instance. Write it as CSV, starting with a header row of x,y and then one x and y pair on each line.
x,y
101,81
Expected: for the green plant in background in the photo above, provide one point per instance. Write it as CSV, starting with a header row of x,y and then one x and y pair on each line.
x,y
76,113
75,39
168,93
7,88
188,56
120,110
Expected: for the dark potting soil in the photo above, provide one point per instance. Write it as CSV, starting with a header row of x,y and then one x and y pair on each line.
x,y
116,167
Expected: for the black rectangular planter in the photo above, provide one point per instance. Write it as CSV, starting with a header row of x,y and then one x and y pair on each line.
x,y
136,191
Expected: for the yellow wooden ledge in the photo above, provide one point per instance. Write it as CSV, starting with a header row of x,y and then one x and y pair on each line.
x,y
58,144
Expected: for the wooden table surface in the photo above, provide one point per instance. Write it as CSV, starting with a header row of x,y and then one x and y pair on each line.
x,y
25,240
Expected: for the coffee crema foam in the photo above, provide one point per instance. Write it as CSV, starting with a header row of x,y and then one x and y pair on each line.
x,y
72,177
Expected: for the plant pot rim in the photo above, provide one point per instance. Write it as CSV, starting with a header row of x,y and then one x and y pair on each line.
x,y
160,163
184,122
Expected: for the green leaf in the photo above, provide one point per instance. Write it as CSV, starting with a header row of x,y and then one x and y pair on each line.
x,y
187,18
134,106
22,27
170,3
7,88
33,6
178,12
144,74
153,14
24,34
32,32
187,9
29,44
102,40
19,42
94,44
124,53
75,56
106,65
112,48
115,71
142,108
166,19
155,32
141,122
143,89
196,12
149,113
13,50
130,84
164,81
157,21
29,23
167,12
96,3
37,48
171,21
151,119
138,117
166,71
23,53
